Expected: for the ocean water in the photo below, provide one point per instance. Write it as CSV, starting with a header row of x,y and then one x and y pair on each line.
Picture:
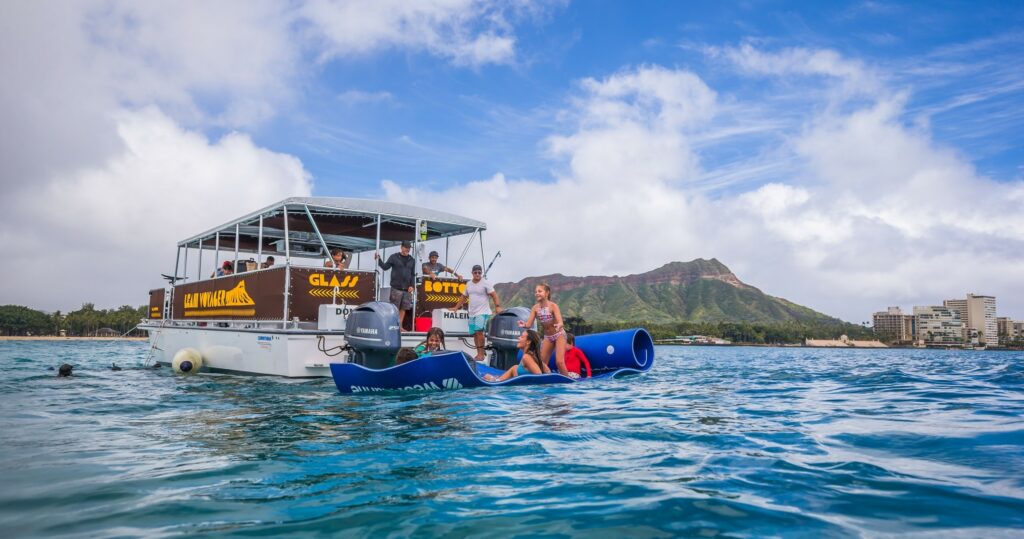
x,y
730,442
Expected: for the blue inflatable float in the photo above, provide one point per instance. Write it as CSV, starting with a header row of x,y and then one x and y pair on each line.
x,y
612,354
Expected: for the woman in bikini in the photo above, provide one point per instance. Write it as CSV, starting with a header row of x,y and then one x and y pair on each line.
x,y
549,316
529,343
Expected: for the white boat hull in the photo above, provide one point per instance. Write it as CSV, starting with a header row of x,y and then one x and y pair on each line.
x,y
292,354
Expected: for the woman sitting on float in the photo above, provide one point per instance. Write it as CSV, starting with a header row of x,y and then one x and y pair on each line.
x,y
529,343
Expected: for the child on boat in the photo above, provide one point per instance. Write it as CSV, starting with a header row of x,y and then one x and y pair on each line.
x,y
549,316
529,343
434,343
575,360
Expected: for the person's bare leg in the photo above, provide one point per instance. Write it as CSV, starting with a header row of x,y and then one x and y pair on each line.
x,y
560,356
511,373
401,320
478,340
545,354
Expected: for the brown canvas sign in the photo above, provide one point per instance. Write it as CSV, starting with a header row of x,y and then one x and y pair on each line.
x,y
312,287
255,295
438,294
156,304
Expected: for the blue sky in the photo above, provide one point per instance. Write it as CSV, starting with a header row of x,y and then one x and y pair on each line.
x,y
419,119
846,156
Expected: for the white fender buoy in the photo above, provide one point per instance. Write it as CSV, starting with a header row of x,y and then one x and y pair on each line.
x,y
187,361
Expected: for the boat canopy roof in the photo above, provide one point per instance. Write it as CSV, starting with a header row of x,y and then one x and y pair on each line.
x,y
348,223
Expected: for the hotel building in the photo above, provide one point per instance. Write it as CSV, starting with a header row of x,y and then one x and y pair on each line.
x,y
978,314
1008,329
895,326
939,326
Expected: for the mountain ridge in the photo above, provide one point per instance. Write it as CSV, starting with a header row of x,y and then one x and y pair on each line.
x,y
701,290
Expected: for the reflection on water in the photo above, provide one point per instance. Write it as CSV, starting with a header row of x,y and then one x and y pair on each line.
x,y
710,442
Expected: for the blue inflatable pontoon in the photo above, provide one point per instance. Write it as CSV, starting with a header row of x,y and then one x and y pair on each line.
x,y
612,354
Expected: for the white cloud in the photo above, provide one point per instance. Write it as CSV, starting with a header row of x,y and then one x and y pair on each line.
x,y
110,230
468,32
876,212
854,77
103,160
360,97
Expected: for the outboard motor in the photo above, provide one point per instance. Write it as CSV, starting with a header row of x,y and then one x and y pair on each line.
x,y
372,334
503,333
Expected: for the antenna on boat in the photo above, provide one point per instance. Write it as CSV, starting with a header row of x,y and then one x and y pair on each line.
x,y
171,279
486,271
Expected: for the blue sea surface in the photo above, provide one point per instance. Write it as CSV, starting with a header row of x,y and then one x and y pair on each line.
x,y
733,442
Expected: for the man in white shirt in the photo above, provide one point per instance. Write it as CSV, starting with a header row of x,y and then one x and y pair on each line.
x,y
477,292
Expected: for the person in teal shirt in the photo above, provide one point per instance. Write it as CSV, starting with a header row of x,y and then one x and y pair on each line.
x,y
434,343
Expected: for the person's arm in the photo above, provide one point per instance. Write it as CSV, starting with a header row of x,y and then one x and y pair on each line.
x,y
384,265
449,270
558,316
426,269
497,302
329,263
583,360
458,304
529,321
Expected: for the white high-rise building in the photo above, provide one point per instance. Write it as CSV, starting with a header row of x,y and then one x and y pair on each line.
x,y
939,326
978,313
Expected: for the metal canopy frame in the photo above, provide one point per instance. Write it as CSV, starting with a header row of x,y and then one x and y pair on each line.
x,y
309,226
355,225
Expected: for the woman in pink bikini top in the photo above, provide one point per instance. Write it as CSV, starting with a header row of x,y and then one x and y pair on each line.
x,y
548,315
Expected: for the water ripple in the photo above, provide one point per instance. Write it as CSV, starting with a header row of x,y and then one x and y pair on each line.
x,y
713,442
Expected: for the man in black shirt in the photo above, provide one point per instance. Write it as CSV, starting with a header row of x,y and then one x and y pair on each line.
x,y
403,279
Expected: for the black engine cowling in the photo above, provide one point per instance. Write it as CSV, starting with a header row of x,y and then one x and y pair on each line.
x,y
503,334
373,335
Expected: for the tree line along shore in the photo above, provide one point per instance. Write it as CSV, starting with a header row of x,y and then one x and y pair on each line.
x,y
88,321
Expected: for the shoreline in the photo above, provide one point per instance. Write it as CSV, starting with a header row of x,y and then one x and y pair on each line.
x,y
57,338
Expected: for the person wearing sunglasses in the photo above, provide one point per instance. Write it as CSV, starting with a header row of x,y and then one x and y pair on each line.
x,y
478,293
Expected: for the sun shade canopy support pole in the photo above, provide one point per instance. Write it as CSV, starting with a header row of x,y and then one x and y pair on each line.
x,y
216,253
288,267
376,295
199,263
316,229
483,258
185,265
177,260
466,249
259,244
287,251
235,265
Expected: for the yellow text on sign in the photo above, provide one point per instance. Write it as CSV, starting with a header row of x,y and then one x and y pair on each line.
x,y
319,279
445,287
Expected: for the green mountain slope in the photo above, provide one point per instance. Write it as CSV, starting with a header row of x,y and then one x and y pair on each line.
x,y
696,291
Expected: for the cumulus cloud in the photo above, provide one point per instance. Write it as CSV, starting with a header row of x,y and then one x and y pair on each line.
x,y
104,160
876,212
108,231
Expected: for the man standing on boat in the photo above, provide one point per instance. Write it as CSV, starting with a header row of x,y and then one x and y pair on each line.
x,y
403,279
478,291
434,268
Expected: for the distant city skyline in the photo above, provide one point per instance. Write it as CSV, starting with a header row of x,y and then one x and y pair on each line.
x,y
841,155
968,321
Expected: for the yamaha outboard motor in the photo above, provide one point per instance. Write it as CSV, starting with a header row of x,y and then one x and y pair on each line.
x,y
504,332
372,334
